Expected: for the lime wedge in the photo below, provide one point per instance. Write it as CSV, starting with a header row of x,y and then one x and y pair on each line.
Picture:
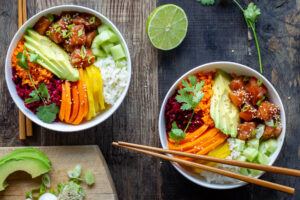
x,y
167,26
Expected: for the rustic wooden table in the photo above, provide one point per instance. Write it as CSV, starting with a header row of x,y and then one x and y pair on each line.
x,y
215,33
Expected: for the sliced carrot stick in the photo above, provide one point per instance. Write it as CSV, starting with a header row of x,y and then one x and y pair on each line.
x,y
75,102
218,140
82,101
189,145
62,105
68,101
191,136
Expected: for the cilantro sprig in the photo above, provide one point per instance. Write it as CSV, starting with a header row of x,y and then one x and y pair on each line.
x,y
251,14
47,113
190,95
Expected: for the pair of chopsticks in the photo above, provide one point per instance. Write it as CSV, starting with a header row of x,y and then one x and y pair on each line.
x,y
151,151
25,125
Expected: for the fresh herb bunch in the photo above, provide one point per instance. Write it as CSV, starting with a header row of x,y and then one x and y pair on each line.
x,y
190,95
47,113
251,14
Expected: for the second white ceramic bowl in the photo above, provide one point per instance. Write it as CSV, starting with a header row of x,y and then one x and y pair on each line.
x,y
59,126
229,67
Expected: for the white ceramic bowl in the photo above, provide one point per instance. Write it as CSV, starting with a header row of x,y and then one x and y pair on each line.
x,y
59,126
229,67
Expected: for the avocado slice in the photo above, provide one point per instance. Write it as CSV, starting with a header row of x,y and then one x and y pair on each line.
x,y
52,56
224,113
28,151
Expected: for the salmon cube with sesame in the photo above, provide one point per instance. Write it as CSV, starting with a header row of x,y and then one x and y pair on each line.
x,y
272,132
42,25
78,36
248,112
82,57
237,83
256,89
239,97
56,31
268,110
245,130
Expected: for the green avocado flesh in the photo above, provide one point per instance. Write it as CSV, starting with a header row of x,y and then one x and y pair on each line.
x,y
29,160
224,113
52,56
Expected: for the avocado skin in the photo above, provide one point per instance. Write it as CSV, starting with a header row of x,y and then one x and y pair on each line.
x,y
28,159
224,113
52,56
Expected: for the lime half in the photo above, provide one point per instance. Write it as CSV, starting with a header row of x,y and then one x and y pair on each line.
x,y
167,26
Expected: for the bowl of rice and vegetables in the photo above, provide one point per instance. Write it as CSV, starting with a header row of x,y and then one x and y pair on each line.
x,y
68,68
225,110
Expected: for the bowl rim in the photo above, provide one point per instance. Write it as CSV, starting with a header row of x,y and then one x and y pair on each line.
x,y
163,132
60,126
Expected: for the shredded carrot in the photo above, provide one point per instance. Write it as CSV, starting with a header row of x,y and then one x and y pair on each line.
x,y
38,73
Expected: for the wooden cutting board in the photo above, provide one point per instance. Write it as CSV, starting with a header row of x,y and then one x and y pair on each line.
x,y
63,159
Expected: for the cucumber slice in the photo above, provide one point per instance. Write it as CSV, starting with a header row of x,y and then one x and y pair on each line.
x,y
244,171
99,53
262,148
254,143
96,42
121,63
250,153
107,36
271,146
241,158
117,52
240,145
103,27
263,159
254,172
106,46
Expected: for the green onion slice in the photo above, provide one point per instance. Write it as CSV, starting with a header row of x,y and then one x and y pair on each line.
x,y
79,32
47,33
261,100
57,30
276,124
68,16
46,180
246,78
90,58
83,52
55,26
50,17
70,26
254,132
245,108
92,20
259,82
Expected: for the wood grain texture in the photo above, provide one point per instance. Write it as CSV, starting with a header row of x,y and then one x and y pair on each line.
x,y
64,159
134,121
220,33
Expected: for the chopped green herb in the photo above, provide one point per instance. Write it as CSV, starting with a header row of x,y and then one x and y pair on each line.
x,y
47,113
89,178
68,16
259,82
55,26
34,57
79,32
47,33
206,2
70,26
65,34
23,63
57,30
83,52
251,14
176,133
276,124
90,58
92,20
46,180
246,78
50,17
261,100
35,97
245,108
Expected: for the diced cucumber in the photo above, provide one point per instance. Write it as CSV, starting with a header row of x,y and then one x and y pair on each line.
x,y
240,145
254,143
263,159
99,53
107,36
96,42
262,148
241,158
106,46
103,27
117,52
254,172
250,153
271,146
243,171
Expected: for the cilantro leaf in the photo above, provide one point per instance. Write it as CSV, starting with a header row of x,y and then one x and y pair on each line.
x,y
43,90
206,2
190,95
23,63
34,57
251,13
34,95
176,133
47,113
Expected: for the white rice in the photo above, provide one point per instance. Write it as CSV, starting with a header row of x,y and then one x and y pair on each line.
x,y
215,178
114,79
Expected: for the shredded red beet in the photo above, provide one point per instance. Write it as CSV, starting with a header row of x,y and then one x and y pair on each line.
x,y
54,89
174,113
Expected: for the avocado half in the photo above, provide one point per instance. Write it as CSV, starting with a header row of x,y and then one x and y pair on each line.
x,y
28,159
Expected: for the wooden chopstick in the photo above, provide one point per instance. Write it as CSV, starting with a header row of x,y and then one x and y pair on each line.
x,y
25,125
267,168
260,182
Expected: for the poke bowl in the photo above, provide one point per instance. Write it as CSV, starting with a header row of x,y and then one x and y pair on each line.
x,y
225,110
68,68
